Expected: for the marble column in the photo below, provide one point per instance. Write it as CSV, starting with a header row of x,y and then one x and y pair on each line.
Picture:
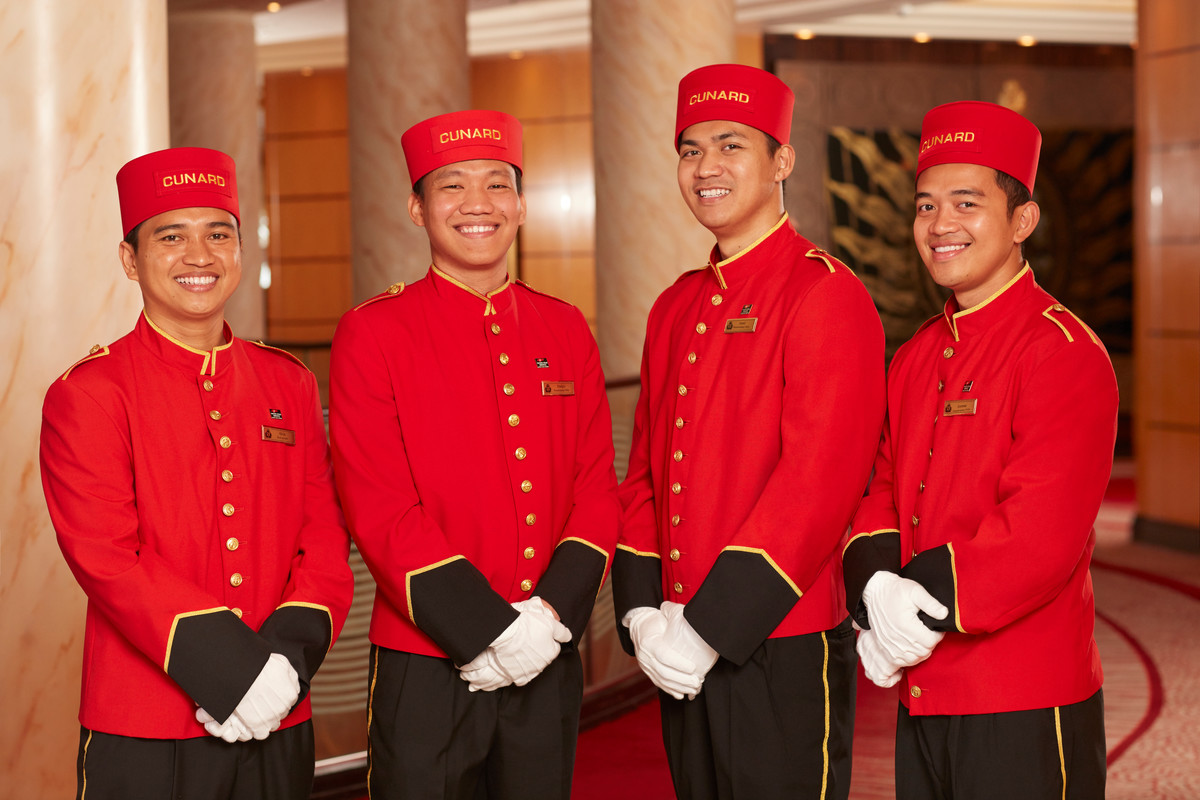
x,y
407,62
214,103
645,235
84,88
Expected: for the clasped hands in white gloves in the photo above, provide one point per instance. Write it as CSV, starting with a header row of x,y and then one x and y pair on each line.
x,y
897,638
268,700
669,651
521,652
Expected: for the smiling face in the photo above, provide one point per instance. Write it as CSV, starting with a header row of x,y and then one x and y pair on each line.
x,y
471,211
731,181
964,233
187,264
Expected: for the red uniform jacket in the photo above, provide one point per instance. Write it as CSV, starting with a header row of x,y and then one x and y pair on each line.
x,y
473,451
761,403
992,466
192,497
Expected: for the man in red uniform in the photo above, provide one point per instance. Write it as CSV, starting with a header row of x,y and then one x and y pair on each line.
x,y
188,478
969,560
473,451
761,402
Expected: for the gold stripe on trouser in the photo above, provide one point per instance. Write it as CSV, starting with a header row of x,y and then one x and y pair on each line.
x,y
1062,762
83,790
371,713
825,742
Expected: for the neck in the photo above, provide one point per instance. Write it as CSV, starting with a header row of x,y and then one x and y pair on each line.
x,y
730,244
481,280
199,336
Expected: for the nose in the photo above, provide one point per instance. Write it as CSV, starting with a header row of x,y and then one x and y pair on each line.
x,y
944,220
199,252
708,164
476,200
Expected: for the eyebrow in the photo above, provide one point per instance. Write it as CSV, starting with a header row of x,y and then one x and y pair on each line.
x,y
968,192
175,226
719,137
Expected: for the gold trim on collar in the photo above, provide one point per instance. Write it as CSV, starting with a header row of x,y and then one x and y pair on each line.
x,y
489,308
952,320
716,266
209,367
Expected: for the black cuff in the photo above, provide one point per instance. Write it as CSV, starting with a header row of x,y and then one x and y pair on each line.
x,y
934,569
637,582
215,657
740,603
303,634
456,607
864,556
571,582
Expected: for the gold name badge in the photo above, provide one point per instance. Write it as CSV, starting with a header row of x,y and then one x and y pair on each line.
x,y
742,325
959,408
281,435
558,388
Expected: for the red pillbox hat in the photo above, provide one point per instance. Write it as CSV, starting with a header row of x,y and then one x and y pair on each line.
x,y
181,177
736,93
461,136
974,132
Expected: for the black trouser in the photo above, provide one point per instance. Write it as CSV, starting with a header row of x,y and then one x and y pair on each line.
x,y
1043,754
431,737
779,726
279,767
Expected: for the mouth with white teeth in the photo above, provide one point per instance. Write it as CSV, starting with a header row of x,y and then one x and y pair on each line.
x,y
949,249
196,281
476,230
711,194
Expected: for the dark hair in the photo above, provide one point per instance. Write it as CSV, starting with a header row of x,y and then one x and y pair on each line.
x,y
1014,191
773,144
131,238
419,187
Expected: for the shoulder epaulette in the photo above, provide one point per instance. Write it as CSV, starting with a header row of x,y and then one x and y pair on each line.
x,y
540,292
96,352
279,350
1061,316
395,290
688,272
823,255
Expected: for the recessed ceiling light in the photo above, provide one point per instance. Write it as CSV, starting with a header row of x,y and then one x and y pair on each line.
x,y
921,38
805,34
1027,41
273,8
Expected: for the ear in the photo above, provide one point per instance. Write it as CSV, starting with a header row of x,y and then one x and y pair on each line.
x,y
1027,218
128,260
416,210
521,216
785,161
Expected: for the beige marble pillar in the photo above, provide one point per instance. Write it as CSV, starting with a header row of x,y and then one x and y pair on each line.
x,y
84,87
407,62
645,235
214,103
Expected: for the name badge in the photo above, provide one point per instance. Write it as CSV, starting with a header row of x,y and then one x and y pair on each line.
x,y
959,408
744,325
281,435
558,388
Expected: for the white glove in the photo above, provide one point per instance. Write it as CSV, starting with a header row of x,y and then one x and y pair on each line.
x,y
270,697
232,731
683,639
667,669
529,644
881,670
483,673
892,605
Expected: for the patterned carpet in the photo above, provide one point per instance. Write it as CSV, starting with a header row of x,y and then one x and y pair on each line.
x,y
1148,631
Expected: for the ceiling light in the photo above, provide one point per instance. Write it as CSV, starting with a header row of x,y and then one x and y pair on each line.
x,y
921,38
1027,41
805,34
273,7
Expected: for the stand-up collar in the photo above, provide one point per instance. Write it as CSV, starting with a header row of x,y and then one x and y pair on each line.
x,y
183,356
987,313
455,291
749,259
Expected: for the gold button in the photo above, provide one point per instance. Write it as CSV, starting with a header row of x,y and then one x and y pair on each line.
x,y
226,442
520,453
231,543
916,520
514,420
679,422
509,389
237,612
675,521
495,327
227,475
227,509
504,358
530,519
701,328
395,288
208,386
676,487
941,385
682,390
716,299
529,553
674,555
95,349
915,691
1059,307
526,585
526,486
948,352
922,486
678,587
677,455
691,358
215,414
235,579
931,452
